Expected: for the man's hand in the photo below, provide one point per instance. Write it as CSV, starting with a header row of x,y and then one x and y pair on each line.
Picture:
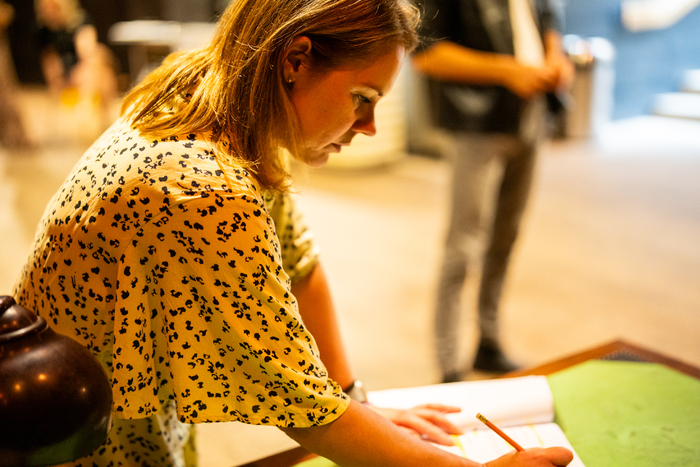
x,y
564,70
557,61
527,81
426,421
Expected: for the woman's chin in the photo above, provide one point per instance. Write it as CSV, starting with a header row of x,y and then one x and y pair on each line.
x,y
316,160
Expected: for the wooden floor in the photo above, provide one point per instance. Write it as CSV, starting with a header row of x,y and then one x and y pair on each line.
x,y
610,248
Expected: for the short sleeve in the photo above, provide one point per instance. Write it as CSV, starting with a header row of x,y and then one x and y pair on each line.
x,y
205,316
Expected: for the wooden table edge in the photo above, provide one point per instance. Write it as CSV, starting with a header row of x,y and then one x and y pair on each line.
x,y
609,350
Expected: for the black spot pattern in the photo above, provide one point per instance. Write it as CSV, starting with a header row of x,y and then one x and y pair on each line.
x,y
174,268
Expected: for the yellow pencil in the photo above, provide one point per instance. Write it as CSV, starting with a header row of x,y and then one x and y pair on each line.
x,y
499,432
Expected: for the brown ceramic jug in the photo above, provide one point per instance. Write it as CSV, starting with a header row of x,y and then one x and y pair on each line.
x,y
55,399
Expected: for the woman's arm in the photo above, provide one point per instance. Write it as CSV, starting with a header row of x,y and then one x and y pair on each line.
x,y
362,438
316,308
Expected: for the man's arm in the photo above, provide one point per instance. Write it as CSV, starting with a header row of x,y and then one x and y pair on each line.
x,y
448,61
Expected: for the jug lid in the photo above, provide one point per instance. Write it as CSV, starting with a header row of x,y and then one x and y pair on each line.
x,y
16,321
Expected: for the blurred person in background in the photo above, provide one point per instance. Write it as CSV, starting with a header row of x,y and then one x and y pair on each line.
x,y
77,68
12,132
493,68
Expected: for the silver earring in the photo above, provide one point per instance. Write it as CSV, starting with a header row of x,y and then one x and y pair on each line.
x,y
290,79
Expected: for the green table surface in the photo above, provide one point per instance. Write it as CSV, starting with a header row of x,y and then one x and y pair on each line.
x,y
623,414
629,414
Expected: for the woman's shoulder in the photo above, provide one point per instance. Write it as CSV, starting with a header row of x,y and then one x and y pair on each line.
x,y
179,166
132,179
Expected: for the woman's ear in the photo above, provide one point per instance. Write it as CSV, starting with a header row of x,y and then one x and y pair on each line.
x,y
297,56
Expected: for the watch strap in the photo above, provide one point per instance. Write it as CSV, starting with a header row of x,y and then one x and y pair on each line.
x,y
356,391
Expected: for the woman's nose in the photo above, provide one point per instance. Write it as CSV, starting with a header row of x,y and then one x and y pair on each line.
x,y
365,123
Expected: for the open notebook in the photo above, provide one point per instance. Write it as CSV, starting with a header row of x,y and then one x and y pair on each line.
x,y
522,407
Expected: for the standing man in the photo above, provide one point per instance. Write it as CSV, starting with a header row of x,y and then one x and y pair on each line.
x,y
491,66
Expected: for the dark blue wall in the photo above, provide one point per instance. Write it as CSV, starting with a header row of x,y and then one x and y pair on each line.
x,y
647,62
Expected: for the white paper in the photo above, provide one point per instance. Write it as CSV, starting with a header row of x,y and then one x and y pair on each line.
x,y
505,402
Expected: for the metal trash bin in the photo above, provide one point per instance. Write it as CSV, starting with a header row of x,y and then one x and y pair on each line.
x,y
591,95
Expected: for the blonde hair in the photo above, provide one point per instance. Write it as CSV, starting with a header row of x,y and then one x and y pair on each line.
x,y
238,93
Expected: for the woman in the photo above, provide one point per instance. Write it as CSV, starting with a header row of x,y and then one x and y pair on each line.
x,y
175,254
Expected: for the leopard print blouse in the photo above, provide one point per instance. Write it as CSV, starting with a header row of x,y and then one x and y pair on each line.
x,y
174,268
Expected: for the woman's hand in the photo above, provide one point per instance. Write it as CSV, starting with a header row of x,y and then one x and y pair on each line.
x,y
426,421
548,457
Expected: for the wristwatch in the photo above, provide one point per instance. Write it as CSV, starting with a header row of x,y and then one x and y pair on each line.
x,y
356,391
